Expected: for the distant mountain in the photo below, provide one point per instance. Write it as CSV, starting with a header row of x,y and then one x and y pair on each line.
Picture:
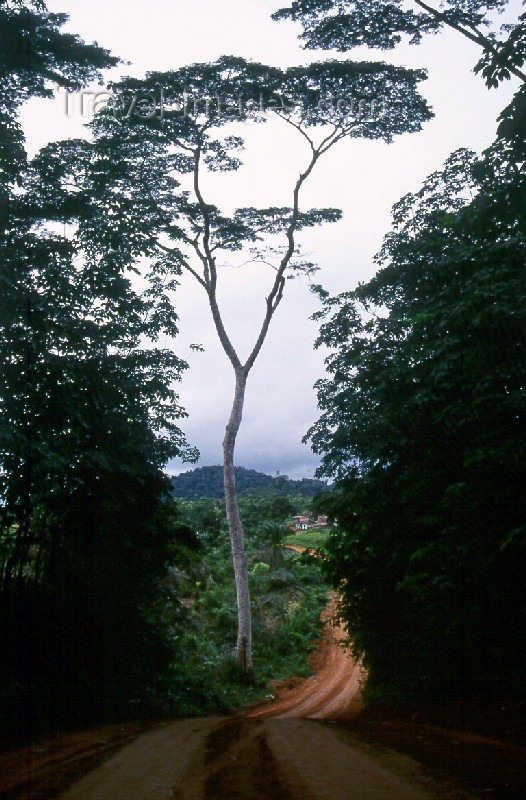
x,y
208,482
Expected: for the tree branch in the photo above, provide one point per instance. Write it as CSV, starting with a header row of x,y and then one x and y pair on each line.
x,y
186,265
276,293
209,265
297,127
477,38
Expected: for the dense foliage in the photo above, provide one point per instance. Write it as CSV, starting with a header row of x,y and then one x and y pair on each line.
x,y
88,420
424,426
198,606
208,482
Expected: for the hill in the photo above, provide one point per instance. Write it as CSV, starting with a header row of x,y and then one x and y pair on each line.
x,y
208,482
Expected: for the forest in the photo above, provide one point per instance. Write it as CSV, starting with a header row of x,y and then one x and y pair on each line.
x,y
208,482
127,593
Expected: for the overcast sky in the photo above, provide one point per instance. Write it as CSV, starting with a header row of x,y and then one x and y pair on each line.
x,y
363,178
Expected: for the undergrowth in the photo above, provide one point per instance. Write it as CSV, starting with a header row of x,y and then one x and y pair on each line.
x,y
198,610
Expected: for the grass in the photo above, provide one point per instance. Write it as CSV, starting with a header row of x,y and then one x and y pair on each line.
x,y
313,539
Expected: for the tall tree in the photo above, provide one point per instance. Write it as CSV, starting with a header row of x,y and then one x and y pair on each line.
x,y
181,117
344,24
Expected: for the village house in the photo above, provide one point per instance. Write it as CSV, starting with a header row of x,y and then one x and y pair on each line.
x,y
302,522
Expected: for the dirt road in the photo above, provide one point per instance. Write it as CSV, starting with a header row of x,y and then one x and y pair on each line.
x,y
253,759
334,689
267,753
307,743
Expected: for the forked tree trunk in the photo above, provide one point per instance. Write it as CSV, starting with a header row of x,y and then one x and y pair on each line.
x,y
235,526
208,280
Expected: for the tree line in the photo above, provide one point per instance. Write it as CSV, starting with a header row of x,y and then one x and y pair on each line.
x,y
424,413
89,417
208,482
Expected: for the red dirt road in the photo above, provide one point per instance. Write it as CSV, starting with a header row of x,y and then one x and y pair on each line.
x,y
254,759
334,690
268,753
280,751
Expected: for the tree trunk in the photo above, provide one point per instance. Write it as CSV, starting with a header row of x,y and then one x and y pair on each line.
x,y
235,526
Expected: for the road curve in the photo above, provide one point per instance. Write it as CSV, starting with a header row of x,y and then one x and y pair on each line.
x,y
334,691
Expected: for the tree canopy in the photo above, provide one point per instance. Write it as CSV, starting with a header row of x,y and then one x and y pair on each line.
x,y
89,416
35,57
344,24
423,423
